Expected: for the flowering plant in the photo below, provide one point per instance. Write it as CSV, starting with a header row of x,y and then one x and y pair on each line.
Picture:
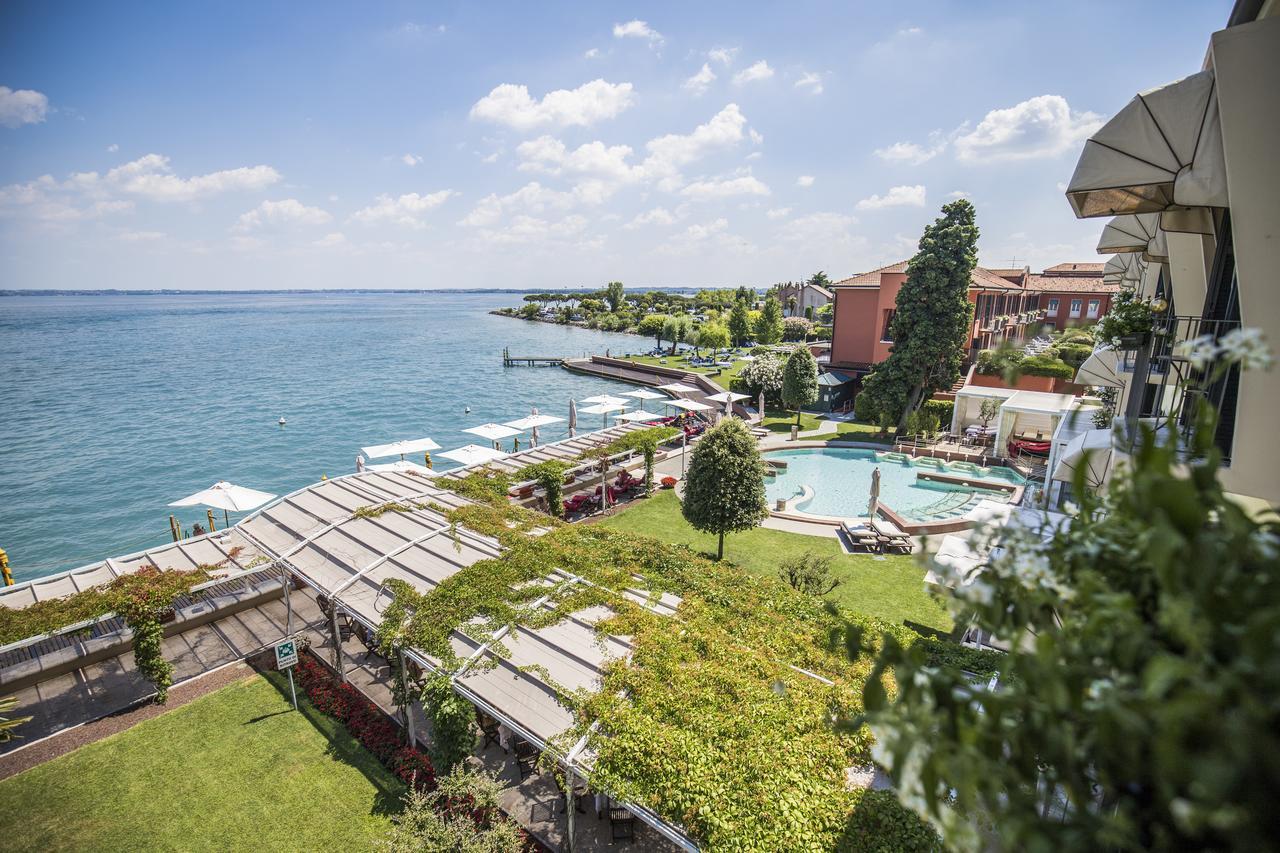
x,y
668,482
1129,317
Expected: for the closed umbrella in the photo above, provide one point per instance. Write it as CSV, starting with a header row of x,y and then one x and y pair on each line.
x,y
573,419
227,497
875,492
760,407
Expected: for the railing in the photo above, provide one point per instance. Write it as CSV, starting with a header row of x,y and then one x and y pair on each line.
x,y
1169,394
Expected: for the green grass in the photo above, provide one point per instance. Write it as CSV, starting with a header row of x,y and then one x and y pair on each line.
x,y
724,379
777,420
891,588
237,769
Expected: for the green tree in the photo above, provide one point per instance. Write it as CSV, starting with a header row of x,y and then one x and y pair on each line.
x,y
740,322
930,328
769,325
724,486
819,279
462,815
808,573
800,380
677,329
713,336
653,325
764,373
796,329
613,295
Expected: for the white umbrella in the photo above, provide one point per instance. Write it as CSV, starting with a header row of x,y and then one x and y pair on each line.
x,y
493,432
636,417
473,453
678,388
605,409
643,394
690,405
728,398
1090,451
532,422
573,419
400,466
228,498
760,405
606,399
400,448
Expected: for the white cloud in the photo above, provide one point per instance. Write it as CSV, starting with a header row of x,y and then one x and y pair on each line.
x,y
22,106
638,29
805,181
758,71
810,81
903,196
959,194
913,153
532,229
699,82
757,138
511,105
152,177
703,232
1043,126
726,188
532,198
723,55
657,216
550,155
910,31
821,229
289,211
592,53
112,148
777,212
668,153
331,240
141,236
405,210
411,159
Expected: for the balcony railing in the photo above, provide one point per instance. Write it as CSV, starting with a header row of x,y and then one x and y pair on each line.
x,y
1170,394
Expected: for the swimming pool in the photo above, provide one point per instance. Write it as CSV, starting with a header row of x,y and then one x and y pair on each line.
x,y
840,478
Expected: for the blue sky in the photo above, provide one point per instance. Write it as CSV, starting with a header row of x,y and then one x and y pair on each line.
x,y
250,145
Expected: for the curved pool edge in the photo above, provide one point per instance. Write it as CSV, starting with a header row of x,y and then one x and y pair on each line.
x,y
915,528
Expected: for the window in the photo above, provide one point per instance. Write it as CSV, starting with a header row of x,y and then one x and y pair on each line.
x,y
1094,305
1053,307
885,335
1075,307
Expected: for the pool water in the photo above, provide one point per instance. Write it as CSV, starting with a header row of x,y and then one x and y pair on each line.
x,y
841,482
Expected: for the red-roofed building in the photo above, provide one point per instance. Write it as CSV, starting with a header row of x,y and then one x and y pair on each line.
x,y
1007,303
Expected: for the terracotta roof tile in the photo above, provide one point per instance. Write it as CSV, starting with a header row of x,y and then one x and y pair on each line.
x,y
872,277
1075,269
1070,284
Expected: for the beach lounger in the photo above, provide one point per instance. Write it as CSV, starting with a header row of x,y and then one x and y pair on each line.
x,y
860,536
892,536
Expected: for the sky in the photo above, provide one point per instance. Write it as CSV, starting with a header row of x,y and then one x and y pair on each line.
x,y
544,145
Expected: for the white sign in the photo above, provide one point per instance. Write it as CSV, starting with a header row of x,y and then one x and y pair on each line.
x,y
286,654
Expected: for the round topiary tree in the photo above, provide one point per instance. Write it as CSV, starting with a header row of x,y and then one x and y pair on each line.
x,y
724,486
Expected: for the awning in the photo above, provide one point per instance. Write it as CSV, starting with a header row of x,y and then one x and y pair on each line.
x,y
1102,368
1090,451
1138,233
1124,269
1164,149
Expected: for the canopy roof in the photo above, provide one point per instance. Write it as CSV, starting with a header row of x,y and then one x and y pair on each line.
x,y
474,453
1038,402
227,496
493,432
400,448
1101,368
1164,149
636,417
1138,233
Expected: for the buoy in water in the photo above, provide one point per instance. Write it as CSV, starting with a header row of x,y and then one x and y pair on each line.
x,y
282,421
467,410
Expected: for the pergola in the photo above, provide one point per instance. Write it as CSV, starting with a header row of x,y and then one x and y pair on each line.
x,y
512,675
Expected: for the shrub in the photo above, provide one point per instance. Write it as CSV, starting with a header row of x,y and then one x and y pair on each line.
x,y
943,410
796,329
1074,354
1039,365
998,362
878,822
864,409
808,573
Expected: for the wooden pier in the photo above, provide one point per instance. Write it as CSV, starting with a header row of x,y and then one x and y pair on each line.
x,y
509,360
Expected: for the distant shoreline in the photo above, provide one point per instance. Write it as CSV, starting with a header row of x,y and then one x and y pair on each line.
x,y
314,291
577,324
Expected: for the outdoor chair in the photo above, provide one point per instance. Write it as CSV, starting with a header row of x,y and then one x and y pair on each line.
x,y
489,728
526,758
622,824
860,536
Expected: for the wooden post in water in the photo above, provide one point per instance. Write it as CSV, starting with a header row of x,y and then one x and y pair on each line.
x,y
4,568
174,529
208,513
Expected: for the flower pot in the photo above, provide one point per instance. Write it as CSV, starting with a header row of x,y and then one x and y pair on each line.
x,y
167,615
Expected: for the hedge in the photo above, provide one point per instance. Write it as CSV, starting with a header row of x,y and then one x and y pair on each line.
x,y
878,823
1038,365
864,410
944,409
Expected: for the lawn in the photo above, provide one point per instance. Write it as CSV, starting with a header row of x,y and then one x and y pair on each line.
x,y
778,420
237,769
891,588
724,379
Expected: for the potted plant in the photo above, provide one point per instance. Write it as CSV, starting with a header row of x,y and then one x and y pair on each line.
x,y
1128,323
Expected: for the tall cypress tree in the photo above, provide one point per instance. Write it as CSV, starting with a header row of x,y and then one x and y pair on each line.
x,y
931,326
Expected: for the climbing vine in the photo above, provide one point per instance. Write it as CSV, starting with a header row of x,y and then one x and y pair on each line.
x,y
143,599
453,734
550,476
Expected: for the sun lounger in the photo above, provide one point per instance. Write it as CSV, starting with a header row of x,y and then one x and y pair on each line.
x,y
860,535
892,535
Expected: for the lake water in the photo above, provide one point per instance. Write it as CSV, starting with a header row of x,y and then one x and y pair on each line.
x,y
115,405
